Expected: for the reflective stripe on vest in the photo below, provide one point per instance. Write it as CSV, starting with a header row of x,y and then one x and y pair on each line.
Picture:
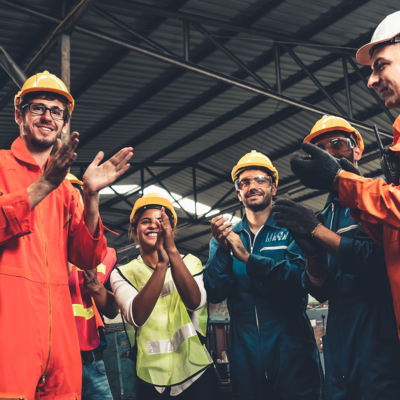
x,y
80,311
101,268
169,346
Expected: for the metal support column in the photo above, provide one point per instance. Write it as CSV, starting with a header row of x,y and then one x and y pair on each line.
x,y
278,68
64,61
194,191
186,41
346,81
142,180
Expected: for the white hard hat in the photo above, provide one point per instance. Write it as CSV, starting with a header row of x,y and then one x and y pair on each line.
x,y
387,30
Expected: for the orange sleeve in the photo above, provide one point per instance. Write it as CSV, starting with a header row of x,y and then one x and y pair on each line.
x,y
374,201
84,251
15,215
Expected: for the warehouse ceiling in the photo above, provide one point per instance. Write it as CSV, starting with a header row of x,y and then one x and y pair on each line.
x,y
193,85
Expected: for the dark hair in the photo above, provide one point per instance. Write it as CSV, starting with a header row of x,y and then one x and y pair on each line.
x,y
46,96
136,218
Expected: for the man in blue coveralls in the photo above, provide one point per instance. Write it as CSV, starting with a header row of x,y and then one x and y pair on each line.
x,y
344,266
258,267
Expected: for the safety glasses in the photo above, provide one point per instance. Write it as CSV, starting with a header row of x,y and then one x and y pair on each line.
x,y
39,109
259,181
337,145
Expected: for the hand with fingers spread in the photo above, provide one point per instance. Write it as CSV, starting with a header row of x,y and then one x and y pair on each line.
x,y
238,249
167,231
317,171
98,177
220,229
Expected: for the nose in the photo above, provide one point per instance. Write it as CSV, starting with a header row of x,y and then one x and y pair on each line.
x,y
47,116
373,80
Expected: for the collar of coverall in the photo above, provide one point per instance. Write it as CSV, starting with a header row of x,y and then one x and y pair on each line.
x,y
396,136
21,152
243,225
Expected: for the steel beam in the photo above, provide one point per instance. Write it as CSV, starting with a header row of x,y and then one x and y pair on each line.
x,y
348,92
194,191
372,91
11,68
127,28
277,68
240,29
186,41
230,55
316,82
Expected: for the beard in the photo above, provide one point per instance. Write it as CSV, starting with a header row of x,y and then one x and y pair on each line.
x,y
41,143
266,201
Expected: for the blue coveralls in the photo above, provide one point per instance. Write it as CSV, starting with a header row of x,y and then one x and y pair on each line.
x,y
361,346
272,354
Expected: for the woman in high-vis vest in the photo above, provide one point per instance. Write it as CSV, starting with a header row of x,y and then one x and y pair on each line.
x,y
162,298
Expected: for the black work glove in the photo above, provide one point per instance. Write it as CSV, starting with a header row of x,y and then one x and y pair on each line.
x,y
308,245
292,216
316,172
296,218
348,166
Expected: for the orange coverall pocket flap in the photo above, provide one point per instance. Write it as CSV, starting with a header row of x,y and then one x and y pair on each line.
x,y
14,272
12,219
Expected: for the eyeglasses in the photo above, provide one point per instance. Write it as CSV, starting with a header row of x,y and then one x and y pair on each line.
x,y
337,145
40,109
259,181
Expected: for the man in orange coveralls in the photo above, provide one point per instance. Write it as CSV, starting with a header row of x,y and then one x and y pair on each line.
x,y
42,227
374,203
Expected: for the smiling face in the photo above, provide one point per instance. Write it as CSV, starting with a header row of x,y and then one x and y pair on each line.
x,y
40,131
254,197
385,75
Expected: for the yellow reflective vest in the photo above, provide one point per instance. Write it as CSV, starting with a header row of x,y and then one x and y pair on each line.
x,y
168,349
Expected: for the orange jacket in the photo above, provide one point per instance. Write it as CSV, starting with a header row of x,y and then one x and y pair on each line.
x,y
87,316
376,205
38,334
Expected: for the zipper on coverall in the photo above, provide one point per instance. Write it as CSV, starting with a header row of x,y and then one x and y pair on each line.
x,y
255,306
48,292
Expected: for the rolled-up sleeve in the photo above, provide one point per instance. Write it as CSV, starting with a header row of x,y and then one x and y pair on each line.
x,y
16,218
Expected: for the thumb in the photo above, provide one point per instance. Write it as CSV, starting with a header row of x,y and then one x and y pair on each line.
x,y
348,166
57,146
97,160
312,149
321,218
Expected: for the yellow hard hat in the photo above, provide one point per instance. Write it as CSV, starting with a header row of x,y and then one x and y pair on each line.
x,y
255,159
73,179
154,199
330,123
44,82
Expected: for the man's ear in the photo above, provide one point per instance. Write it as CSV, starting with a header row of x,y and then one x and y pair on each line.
x,y
18,116
357,153
239,195
65,127
274,189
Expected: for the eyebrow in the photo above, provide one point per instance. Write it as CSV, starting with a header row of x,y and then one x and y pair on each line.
x,y
375,62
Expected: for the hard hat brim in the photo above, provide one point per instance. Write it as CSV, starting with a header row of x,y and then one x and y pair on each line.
x,y
45,89
363,56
